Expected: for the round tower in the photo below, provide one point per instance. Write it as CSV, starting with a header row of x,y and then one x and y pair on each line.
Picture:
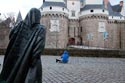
x,y
93,24
55,19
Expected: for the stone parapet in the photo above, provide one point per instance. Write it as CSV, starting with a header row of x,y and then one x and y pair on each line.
x,y
83,52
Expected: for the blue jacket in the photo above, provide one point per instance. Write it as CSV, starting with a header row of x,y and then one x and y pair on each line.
x,y
65,57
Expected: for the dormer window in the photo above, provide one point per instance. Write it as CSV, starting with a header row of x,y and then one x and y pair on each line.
x,y
73,13
103,10
91,10
63,9
50,7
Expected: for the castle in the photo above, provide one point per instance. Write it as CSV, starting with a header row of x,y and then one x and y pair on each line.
x,y
94,23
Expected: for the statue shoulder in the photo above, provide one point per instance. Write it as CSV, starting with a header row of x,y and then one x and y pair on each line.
x,y
39,26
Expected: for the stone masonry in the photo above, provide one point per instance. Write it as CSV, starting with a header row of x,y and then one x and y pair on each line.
x,y
56,39
84,27
4,36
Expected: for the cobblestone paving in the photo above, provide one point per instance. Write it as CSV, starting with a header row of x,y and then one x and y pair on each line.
x,y
83,70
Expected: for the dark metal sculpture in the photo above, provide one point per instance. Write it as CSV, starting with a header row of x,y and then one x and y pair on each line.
x,y
22,63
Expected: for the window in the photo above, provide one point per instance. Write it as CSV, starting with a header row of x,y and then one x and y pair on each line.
x,y
63,9
91,10
68,32
80,29
54,27
74,31
50,8
73,13
103,10
101,27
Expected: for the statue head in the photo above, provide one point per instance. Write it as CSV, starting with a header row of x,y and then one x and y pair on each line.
x,y
33,17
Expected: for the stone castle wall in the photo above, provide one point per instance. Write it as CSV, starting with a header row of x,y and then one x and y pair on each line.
x,y
114,28
121,25
75,28
90,34
114,36
87,27
4,36
56,39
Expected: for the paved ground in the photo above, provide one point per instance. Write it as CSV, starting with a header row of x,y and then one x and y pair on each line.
x,y
83,70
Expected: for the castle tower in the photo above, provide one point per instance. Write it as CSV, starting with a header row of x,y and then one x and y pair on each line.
x,y
55,19
74,9
93,23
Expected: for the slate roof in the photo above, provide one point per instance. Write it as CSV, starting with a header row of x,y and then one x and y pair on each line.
x,y
117,8
111,12
60,4
94,6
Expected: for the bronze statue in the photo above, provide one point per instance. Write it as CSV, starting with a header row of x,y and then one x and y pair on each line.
x,y
22,63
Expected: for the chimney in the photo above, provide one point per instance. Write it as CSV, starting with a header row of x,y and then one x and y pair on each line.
x,y
106,3
121,3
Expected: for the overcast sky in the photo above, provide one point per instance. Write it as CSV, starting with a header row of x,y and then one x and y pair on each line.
x,y
25,5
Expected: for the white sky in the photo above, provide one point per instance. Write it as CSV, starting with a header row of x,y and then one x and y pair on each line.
x,y
25,5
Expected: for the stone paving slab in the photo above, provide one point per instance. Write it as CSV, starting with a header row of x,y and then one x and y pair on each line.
x,y
83,70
